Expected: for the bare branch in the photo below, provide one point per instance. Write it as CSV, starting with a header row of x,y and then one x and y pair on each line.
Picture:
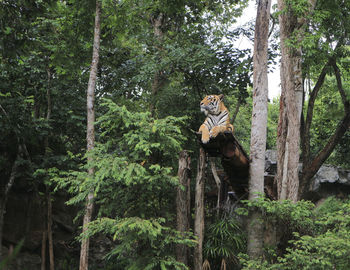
x,y
321,157
310,111
340,86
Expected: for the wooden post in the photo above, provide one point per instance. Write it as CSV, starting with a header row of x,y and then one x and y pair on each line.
x,y
199,210
182,203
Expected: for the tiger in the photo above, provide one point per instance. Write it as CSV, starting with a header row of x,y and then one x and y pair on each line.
x,y
218,119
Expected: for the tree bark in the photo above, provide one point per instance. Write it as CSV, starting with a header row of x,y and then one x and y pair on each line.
x,y
43,251
235,113
182,203
259,126
199,211
90,137
292,93
218,184
289,142
49,231
291,103
48,195
158,79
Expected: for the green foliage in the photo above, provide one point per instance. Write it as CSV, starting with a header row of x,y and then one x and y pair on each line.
x,y
242,122
141,243
328,112
272,122
131,184
291,216
136,155
224,239
324,245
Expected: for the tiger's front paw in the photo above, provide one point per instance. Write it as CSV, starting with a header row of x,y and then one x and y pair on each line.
x,y
205,138
213,133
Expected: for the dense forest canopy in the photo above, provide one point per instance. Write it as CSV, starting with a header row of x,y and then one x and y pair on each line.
x,y
157,60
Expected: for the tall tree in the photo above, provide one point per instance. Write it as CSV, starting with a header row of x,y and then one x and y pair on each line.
x,y
291,101
313,37
48,195
158,80
90,136
259,125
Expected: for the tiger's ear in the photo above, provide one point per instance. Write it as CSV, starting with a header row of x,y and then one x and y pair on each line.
x,y
221,96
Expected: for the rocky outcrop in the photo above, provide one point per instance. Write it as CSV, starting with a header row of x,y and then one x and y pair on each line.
x,y
330,174
329,180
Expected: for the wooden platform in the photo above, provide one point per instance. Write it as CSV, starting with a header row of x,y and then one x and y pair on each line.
x,y
234,159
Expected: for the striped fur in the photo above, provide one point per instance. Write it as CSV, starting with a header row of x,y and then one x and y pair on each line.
x,y
218,119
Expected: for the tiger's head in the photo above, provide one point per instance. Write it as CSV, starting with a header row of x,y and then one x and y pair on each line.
x,y
212,104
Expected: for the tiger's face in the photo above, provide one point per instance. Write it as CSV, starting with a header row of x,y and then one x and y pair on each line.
x,y
211,104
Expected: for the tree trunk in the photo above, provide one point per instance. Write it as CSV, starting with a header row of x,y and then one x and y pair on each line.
x,y
288,140
49,230
2,214
90,137
48,195
235,113
43,251
4,197
259,126
158,79
182,203
199,211
218,184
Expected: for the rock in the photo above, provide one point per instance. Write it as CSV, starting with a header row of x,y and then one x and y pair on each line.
x,y
344,177
270,163
326,174
271,155
331,175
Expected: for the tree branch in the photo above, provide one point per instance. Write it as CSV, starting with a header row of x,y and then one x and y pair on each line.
x,y
309,115
311,168
340,86
314,166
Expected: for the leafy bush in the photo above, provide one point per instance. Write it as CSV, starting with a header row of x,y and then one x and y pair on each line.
x,y
134,185
141,243
325,245
224,239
